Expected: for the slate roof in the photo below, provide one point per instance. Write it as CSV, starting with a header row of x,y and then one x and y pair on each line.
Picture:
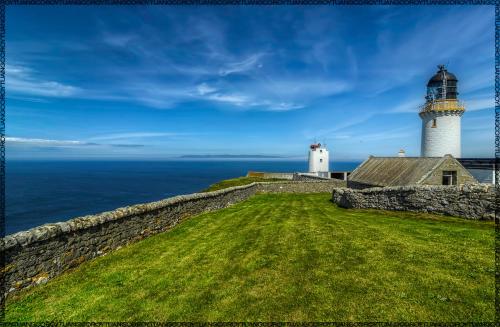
x,y
395,171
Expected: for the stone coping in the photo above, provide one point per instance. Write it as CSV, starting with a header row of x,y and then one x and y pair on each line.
x,y
464,187
49,230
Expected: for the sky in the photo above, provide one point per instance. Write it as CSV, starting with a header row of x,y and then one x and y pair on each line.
x,y
159,82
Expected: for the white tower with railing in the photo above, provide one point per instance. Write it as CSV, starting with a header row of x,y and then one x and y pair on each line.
x,y
441,116
319,160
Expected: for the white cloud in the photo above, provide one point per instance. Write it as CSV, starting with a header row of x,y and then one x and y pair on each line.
x,y
204,88
204,76
36,142
480,104
122,136
117,40
285,106
24,80
303,87
242,66
341,137
339,126
399,133
248,101
44,142
409,106
482,77
236,99
272,95
401,57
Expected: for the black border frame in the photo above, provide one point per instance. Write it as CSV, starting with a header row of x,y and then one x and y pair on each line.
x,y
496,3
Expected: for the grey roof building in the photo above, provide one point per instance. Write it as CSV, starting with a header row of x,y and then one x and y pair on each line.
x,y
400,171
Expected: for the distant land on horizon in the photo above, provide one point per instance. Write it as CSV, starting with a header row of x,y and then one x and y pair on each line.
x,y
231,156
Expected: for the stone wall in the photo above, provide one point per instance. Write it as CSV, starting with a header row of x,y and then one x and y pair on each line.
x,y
34,256
467,201
288,176
308,177
320,186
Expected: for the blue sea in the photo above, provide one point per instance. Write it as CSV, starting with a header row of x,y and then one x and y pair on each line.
x,y
39,192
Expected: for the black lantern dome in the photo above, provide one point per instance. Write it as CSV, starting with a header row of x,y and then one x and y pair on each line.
x,y
443,85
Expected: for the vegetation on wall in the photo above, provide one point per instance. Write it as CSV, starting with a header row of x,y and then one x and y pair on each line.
x,y
239,181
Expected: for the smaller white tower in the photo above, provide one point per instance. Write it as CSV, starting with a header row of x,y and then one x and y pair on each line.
x,y
401,153
319,160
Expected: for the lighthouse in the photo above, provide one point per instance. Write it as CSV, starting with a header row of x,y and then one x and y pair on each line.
x,y
318,160
441,116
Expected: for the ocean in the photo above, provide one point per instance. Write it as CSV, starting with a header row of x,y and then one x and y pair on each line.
x,y
40,192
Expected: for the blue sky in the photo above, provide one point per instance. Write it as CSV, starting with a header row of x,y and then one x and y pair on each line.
x,y
156,82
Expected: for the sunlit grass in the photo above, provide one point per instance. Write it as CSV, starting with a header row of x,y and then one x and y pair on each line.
x,y
283,257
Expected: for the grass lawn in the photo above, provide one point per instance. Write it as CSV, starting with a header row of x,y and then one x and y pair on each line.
x,y
238,182
283,257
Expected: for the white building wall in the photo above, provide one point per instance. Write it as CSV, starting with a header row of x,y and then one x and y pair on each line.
x,y
318,160
445,137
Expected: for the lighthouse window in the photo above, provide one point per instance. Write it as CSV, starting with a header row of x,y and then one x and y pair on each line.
x,y
320,160
449,177
434,123
320,151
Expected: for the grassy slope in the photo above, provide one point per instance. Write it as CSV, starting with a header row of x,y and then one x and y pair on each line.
x,y
238,182
284,258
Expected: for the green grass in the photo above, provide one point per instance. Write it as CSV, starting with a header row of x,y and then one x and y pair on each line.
x,y
283,257
238,182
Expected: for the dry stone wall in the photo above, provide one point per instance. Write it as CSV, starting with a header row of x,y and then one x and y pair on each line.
x,y
308,177
467,201
34,256
288,176
302,186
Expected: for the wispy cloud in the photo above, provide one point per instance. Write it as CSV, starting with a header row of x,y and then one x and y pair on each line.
x,y
343,125
248,99
24,80
45,142
37,142
483,103
399,58
199,64
242,66
204,88
409,106
398,133
135,135
235,99
309,87
482,77
117,39
285,106
479,123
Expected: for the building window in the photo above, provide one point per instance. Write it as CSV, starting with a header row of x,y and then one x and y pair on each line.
x,y
449,177
434,123
320,151
320,160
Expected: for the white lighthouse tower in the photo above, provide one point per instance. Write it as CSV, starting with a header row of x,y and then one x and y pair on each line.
x,y
318,160
441,116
